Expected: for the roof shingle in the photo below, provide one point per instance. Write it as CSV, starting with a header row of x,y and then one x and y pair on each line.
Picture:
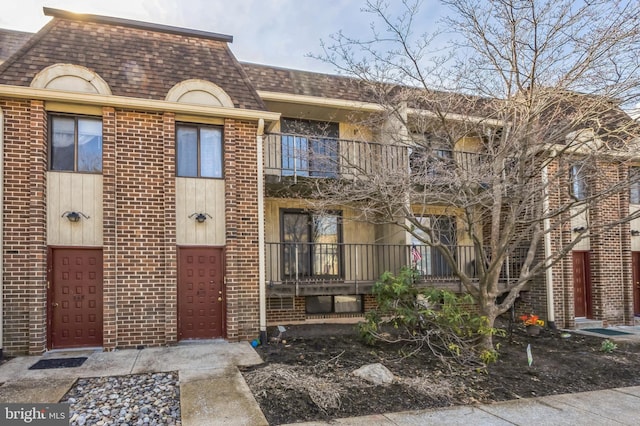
x,y
134,62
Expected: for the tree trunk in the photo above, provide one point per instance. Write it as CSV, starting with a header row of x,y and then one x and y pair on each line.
x,y
489,311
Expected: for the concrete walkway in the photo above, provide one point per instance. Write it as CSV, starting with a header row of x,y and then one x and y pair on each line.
x,y
213,392
608,407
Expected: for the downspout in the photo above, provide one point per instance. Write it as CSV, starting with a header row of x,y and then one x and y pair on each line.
x,y
261,244
546,224
1,231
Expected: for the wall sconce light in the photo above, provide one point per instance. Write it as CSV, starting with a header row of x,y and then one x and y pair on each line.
x,y
200,217
635,233
74,216
579,229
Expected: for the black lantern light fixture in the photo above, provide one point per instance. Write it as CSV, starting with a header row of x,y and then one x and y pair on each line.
x,y
200,217
635,233
579,229
73,216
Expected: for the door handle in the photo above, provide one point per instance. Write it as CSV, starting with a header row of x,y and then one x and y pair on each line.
x,y
219,299
54,304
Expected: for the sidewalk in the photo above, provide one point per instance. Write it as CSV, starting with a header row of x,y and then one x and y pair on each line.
x,y
213,392
607,407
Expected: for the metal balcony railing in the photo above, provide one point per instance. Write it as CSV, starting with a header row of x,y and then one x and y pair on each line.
x,y
322,157
303,263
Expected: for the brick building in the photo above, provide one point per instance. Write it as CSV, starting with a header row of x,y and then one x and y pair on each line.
x,y
149,196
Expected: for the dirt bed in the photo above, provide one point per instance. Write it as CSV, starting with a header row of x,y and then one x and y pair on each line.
x,y
310,376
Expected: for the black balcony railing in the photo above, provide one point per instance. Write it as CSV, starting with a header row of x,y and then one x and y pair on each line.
x,y
324,157
312,264
308,156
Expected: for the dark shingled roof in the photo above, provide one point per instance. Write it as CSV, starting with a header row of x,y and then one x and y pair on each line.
x,y
11,41
135,62
296,82
272,79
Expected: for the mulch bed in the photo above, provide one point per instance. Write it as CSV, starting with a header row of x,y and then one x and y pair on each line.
x,y
309,377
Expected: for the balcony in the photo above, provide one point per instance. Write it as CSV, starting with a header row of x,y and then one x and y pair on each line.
x,y
306,269
296,156
293,156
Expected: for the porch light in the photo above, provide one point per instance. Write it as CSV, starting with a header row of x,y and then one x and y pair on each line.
x,y
200,217
579,229
635,232
74,216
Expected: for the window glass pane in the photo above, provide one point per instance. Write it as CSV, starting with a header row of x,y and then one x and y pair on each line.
x,y
62,143
187,151
296,251
634,189
579,187
325,247
348,303
211,153
89,145
421,253
318,304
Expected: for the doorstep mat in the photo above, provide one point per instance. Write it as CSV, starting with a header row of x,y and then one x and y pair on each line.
x,y
606,331
44,364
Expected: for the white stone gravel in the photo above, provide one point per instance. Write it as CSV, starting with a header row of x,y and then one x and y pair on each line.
x,y
137,399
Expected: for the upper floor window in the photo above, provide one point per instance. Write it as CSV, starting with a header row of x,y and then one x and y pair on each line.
x,y
578,181
309,148
76,144
199,151
634,184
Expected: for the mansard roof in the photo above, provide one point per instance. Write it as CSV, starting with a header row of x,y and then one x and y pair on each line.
x,y
134,58
11,41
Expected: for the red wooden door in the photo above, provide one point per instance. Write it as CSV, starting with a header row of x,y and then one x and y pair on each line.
x,y
581,284
200,293
635,256
75,298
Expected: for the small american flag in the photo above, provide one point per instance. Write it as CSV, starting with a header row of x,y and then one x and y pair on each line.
x,y
415,254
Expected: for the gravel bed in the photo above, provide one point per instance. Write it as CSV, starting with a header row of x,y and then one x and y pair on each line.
x,y
138,399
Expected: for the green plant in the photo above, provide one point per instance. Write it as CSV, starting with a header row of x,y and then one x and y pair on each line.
x,y
608,346
489,356
432,319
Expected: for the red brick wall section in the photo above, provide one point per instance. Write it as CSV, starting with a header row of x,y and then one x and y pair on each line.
x,y
18,280
140,229
241,216
608,278
287,316
170,253
38,229
109,286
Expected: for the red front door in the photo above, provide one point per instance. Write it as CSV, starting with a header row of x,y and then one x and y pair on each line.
x,y
635,256
200,292
75,298
581,284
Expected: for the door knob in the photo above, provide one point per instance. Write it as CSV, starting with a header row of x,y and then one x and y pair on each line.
x,y
54,304
219,299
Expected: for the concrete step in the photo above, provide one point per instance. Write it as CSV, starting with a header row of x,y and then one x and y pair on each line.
x,y
636,320
588,323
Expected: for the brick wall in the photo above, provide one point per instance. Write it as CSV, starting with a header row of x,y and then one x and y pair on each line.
x,y
610,252
140,279
139,152
17,225
287,316
241,215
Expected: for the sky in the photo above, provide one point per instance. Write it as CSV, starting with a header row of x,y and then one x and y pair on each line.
x,y
275,32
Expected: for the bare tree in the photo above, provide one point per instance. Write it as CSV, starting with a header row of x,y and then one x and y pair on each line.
x,y
513,129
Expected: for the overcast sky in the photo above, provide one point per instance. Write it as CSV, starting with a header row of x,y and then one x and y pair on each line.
x,y
274,32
